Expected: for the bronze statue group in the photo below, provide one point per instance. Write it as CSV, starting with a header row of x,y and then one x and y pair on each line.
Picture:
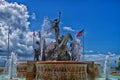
x,y
57,50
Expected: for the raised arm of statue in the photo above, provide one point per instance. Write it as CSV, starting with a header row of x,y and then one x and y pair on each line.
x,y
59,15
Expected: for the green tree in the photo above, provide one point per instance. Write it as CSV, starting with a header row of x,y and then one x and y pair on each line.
x,y
118,67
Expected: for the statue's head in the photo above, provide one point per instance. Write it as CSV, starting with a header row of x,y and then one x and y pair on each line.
x,y
55,19
35,49
37,42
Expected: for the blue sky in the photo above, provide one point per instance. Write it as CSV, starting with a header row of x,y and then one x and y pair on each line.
x,y
99,18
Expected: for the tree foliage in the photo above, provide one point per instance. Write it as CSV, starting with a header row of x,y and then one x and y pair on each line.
x,y
118,65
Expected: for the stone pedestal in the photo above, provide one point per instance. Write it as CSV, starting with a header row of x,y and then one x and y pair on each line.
x,y
57,70
92,70
31,70
21,69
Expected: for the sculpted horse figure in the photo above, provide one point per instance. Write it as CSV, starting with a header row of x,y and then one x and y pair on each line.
x,y
61,49
59,52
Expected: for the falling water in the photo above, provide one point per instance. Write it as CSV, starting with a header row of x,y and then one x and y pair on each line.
x,y
77,49
42,38
12,66
106,68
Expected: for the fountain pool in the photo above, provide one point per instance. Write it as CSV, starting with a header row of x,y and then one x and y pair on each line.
x,y
5,77
106,75
111,77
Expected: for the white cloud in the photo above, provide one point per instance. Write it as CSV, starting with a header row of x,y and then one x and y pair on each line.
x,y
100,58
49,40
15,16
68,28
111,54
90,51
33,16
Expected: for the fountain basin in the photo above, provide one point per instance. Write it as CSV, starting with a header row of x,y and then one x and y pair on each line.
x,y
62,70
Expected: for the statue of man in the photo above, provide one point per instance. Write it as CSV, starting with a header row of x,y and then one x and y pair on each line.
x,y
36,55
55,27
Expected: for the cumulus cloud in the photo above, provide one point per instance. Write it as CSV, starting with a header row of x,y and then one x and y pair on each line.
x,y
100,58
111,54
68,28
91,51
14,18
33,16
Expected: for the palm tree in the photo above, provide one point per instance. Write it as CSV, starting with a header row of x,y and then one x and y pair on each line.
x,y
118,66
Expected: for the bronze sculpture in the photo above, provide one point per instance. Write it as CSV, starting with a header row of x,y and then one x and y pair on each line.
x,y
57,50
55,27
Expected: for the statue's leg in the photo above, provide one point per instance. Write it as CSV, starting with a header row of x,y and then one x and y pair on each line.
x,y
72,56
37,58
34,57
56,35
68,56
43,57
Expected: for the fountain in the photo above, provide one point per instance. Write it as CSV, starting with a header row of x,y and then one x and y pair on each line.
x,y
12,67
55,63
75,50
42,38
107,68
106,71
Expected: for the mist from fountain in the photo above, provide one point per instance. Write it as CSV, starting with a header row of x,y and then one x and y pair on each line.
x,y
76,50
42,36
106,71
12,65
107,68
